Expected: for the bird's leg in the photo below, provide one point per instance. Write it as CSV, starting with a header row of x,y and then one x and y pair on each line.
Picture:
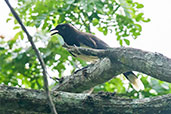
x,y
77,51
65,45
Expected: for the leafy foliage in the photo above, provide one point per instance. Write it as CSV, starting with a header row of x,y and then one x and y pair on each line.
x,y
20,66
104,15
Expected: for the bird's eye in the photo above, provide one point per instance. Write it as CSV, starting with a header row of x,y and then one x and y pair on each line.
x,y
63,27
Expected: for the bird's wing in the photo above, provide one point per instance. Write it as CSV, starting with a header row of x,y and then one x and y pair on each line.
x,y
86,41
91,41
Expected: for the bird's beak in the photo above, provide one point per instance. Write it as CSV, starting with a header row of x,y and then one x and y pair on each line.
x,y
53,31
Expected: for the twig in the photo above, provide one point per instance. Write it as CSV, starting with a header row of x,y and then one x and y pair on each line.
x,y
52,106
116,8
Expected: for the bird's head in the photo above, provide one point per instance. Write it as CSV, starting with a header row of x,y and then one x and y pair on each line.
x,y
62,29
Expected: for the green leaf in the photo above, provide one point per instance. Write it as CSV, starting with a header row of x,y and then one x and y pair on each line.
x,y
99,5
138,27
118,38
21,35
147,20
139,17
120,42
105,31
95,21
89,8
127,41
16,27
8,19
140,6
100,29
16,36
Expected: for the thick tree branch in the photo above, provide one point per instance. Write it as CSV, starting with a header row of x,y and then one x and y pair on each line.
x,y
119,60
152,64
38,56
18,100
89,77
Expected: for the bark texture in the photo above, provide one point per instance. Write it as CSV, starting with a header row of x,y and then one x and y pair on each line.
x,y
90,76
25,101
113,62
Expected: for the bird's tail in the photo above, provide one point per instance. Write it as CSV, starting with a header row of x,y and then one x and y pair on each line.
x,y
135,81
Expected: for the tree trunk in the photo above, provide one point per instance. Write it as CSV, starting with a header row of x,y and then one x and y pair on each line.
x,y
18,101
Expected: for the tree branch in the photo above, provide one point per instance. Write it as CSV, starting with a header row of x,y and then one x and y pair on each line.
x,y
18,100
118,61
38,55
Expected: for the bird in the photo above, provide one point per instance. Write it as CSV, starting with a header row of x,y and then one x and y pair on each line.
x,y
73,37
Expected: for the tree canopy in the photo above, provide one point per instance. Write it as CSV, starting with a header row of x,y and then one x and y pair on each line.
x,y
19,64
